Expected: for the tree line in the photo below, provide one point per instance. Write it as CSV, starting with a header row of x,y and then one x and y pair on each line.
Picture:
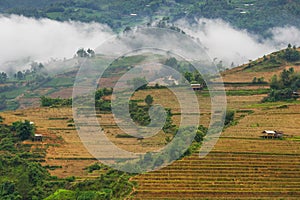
x,y
284,87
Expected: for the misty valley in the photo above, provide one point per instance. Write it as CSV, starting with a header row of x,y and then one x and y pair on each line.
x,y
152,99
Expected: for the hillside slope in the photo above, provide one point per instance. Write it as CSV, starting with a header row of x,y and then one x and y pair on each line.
x,y
20,94
242,165
256,16
264,67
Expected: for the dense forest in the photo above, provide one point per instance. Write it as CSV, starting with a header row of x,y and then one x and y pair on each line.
x,y
255,16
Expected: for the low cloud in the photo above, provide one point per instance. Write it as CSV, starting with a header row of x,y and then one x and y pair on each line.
x,y
228,44
25,39
41,40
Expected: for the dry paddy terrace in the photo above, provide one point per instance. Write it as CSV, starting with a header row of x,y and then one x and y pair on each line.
x,y
241,166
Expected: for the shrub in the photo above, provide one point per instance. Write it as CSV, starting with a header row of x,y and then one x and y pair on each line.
x,y
229,117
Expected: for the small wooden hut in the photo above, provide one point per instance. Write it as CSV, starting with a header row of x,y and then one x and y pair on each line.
x,y
270,134
38,138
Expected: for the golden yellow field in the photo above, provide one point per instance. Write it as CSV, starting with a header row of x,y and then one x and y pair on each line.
x,y
239,75
241,166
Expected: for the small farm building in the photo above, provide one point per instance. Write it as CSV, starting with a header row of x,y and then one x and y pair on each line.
x,y
270,134
38,137
196,86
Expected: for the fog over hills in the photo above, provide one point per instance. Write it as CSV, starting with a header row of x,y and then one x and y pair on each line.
x,y
24,38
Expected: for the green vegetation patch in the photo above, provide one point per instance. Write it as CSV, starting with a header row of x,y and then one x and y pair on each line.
x,y
60,82
11,94
247,92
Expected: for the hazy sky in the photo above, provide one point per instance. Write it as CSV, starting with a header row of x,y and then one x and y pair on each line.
x,y
43,39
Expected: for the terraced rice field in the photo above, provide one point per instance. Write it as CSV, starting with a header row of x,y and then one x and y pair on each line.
x,y
238,74
226,175
241,165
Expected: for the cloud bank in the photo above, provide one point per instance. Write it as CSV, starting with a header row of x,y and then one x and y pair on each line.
x,y
24,39
43,39
228,44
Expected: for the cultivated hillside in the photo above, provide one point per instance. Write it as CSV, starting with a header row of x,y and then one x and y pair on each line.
x,y
264,68
241,165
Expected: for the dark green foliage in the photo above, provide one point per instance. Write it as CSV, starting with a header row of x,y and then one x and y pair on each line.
x,y
48,101
103,105
93,167
291,54
8,192
178,148
8,144
247,92
26,179
229,117
85,53
19,75
71,179
3,77
78,195
103,92
172,62
24,130
259,17
149,100
187,70
201,132
100,103
22,178
194,77
111,185
284,88
140,115
279,95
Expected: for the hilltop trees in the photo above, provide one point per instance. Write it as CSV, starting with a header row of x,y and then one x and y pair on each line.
x,y
3,77
284,87
291,54
82,53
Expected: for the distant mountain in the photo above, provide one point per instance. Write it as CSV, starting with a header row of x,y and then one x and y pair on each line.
x,y
7,5
253,15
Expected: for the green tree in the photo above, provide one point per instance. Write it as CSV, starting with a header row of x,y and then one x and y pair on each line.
x,y
200,133
283,88
274,84
82,53
24,130
3,77
19,75
188,76
172,62
91,53
149,99
229,117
